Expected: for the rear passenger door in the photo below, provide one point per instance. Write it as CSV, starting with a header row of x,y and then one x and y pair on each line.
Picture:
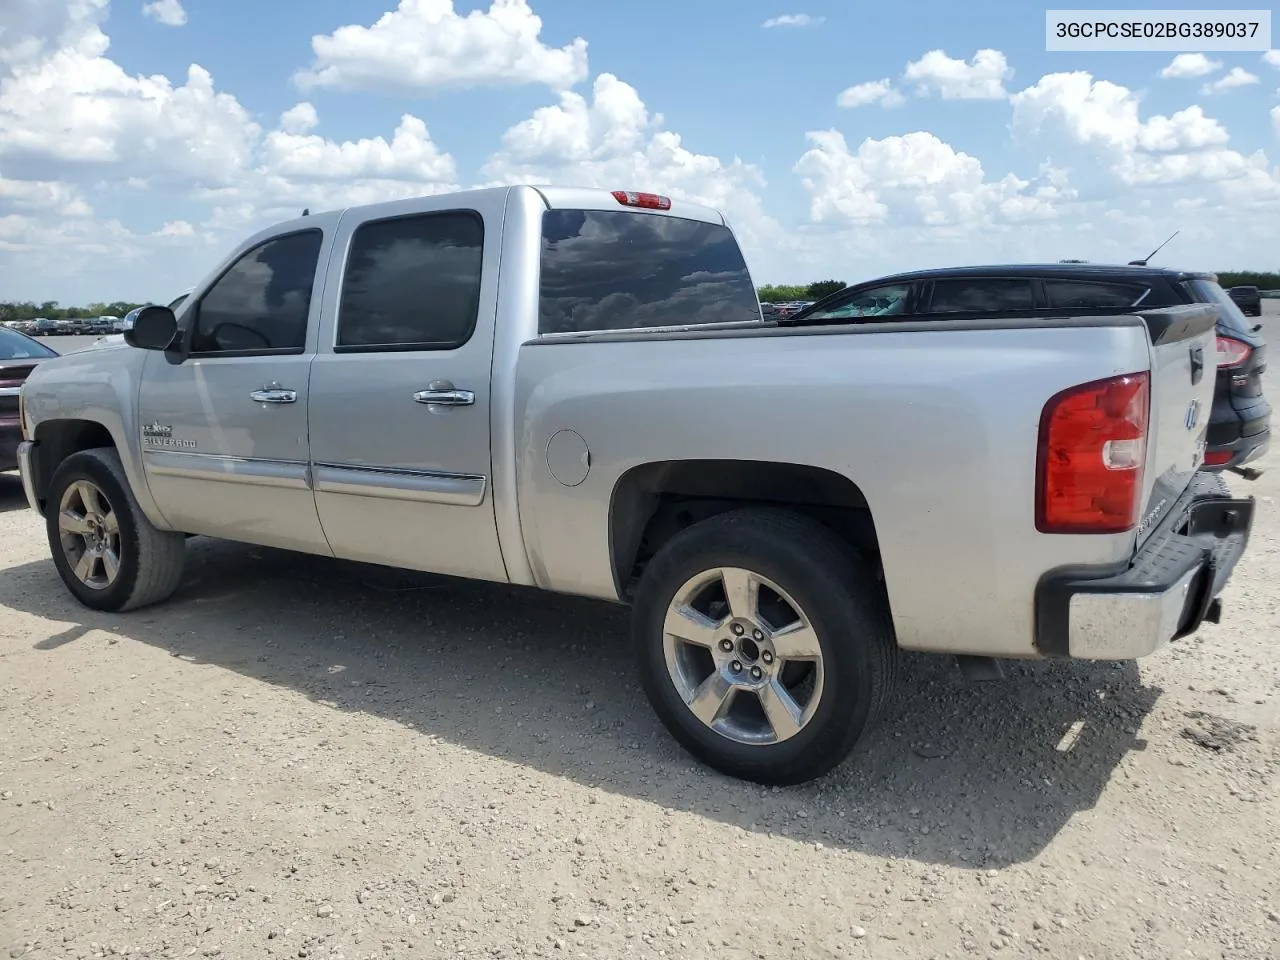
x,y
400,390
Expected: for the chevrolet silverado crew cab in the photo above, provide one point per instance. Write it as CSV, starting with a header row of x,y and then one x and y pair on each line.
x,y
575,390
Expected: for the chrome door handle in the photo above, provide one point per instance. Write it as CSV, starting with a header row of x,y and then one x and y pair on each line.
x,y
445,394
274,394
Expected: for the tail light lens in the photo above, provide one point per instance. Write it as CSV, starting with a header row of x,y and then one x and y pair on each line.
x,y
1232,353
1093,447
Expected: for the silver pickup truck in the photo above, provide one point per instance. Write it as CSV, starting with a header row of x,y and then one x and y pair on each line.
x,y
575,390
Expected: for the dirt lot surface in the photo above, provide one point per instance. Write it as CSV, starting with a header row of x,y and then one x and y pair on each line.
x,y
301,758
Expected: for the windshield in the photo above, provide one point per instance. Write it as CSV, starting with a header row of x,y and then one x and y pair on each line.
x,y
14,346
1206,291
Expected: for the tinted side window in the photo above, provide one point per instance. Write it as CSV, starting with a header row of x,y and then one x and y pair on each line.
x,y
621,270
262,302
1092,295
886,301
981,295
412,283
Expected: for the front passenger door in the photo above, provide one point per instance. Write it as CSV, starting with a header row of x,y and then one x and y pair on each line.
x,y
224,432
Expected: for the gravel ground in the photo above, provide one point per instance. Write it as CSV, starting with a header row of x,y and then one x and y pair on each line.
x,y
301,758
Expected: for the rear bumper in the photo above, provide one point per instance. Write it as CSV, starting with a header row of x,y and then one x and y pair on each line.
x,y
1168,590
1237,437
1242,451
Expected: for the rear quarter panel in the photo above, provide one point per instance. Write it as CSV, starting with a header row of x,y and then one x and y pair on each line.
x,y
937,427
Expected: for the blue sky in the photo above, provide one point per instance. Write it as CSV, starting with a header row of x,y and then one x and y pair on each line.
x,y
851,141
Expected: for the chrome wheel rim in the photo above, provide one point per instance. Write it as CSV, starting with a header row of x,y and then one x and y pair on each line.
x,y
90,534
743,656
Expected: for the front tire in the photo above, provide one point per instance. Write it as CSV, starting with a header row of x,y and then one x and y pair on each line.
x,y
105,549
764,644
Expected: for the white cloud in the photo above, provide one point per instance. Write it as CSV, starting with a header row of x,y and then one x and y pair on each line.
x,y
42,196
410,155
1186,65
873,91
1235,77
793,20
1095,131
143,125
188,143
301,118
32,30
425,45
1275,120
916,178
1075,111
982,78
1271,58
168,12
176,228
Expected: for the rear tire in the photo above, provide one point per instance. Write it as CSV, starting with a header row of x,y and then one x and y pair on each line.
x,y
105,549
764,644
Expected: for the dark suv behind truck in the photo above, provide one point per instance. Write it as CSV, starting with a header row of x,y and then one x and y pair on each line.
x,y
1248,299
1239,427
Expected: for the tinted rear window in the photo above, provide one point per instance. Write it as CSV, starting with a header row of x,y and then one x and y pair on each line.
x,y
981,295
1206,291
620,270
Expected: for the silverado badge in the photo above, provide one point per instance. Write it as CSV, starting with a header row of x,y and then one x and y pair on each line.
x,y
157,434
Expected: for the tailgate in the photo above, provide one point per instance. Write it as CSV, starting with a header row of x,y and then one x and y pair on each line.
x,y
1183,373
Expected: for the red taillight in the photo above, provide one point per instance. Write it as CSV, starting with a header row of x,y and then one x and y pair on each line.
x,y
1216,458
1093,447
1232,353
649,201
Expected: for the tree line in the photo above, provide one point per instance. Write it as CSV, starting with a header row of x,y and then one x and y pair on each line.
x,y
51,310
782,292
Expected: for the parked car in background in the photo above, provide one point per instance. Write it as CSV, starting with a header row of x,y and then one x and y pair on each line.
x,y
44,327
1248,299
593,406
1240,419
19,355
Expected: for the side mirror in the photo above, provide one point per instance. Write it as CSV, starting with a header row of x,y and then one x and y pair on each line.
x,y
153,329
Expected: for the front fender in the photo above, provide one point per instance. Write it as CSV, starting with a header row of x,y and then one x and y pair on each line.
x,y
66,398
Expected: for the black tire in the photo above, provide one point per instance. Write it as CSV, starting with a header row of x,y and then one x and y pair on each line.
x,y
840,597
150,560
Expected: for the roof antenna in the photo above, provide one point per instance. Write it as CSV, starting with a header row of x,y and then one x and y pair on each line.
x,y
1143,261
306,212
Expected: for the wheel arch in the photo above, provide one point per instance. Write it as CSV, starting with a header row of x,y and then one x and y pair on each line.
x,y
58,438
653,501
